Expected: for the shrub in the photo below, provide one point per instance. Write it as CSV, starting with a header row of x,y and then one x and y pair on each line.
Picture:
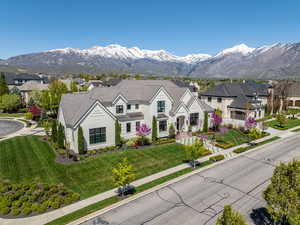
x,y
80,137
16,204
35,207
28,116
26,211
55,205
216,158
164,141
4,210
15,212
75,197
224,145
41,209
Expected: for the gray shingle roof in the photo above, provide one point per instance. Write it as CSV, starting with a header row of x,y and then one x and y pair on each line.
x,y
131,116
75,105
236,89
243,102
11,77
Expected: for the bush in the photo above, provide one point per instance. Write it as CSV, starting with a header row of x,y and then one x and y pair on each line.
x,y
15,212
4,210
75,197
26,211
241,149
164,141
16,204
55,205
28,116
216,158
22,110
224,145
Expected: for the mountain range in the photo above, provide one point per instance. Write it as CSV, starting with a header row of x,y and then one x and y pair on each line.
x,y
274,61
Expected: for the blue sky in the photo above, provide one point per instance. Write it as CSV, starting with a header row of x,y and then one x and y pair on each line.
x,y
181,27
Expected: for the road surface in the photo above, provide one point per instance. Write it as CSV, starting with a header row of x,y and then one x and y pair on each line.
x,y
199,199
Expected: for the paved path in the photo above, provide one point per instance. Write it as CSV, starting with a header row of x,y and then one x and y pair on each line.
x,y
44,218
199,199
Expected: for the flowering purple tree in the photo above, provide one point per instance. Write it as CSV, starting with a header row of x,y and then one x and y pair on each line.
x,y
143,130
216,120
250,123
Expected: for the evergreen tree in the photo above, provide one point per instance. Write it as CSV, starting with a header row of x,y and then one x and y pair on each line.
x,y
54,131
205,124
117,133
172,131
61,136
80,138
3,86
229,217
154,129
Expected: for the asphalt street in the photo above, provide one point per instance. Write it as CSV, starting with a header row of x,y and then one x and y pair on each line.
x,y
199,199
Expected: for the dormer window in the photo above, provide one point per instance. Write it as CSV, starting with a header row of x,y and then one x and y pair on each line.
x,y
119,109
161,106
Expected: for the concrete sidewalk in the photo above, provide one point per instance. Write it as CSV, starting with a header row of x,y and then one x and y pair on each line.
x,y
47,217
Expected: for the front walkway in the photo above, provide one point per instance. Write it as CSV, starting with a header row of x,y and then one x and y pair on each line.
x,y
47,217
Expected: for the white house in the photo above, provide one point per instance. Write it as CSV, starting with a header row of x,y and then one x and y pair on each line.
x,y
131,102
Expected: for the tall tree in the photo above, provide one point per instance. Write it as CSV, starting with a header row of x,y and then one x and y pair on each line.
x,y
154,129
283,194
117,133
3,86
80,138
61,136
54,131
123,175
229,217
205,124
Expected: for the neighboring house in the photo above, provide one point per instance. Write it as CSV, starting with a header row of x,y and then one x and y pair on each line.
x,y
111,82
293,95
190,85
30,86
132,103
94,83
237,101
15,79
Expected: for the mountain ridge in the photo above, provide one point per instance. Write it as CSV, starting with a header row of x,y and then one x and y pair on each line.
x,y
271,61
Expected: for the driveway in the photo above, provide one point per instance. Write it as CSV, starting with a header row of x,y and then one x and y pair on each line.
x,y
199,199
9,126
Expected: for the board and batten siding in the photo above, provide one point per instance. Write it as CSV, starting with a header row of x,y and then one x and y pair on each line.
x,y
97,118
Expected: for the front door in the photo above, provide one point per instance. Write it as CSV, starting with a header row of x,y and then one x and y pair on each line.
x,y
180,123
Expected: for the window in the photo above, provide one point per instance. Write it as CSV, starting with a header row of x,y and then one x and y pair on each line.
x,y
97,135
219,100
119,109
128,107
255,114
161,106
194,119
137,106
259,113
128,127
209,99
137,124
162,125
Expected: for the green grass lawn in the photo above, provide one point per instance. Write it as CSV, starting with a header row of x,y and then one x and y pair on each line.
x,y
233,137
27,159
11,114
290,123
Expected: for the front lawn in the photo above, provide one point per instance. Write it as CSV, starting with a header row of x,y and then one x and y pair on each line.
x,y
27,159
230,138
290,123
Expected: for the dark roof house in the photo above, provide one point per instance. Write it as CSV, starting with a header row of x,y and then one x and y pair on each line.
x,y
21,78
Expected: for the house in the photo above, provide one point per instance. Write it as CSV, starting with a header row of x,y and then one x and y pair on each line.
x,y
132,103
30,86
18,79
237,101
94,83
293,95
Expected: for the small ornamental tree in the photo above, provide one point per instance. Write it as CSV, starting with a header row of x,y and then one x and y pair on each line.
x,y
230,217
117,133
154,129
281,118
283,194
172,131
80,138
205,124
36,111
142,131
61,136
216,120
54,131
250,123
194,151
123,175
74,87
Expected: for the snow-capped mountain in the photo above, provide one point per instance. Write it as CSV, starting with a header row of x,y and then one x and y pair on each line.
x,y
277,60
120,52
